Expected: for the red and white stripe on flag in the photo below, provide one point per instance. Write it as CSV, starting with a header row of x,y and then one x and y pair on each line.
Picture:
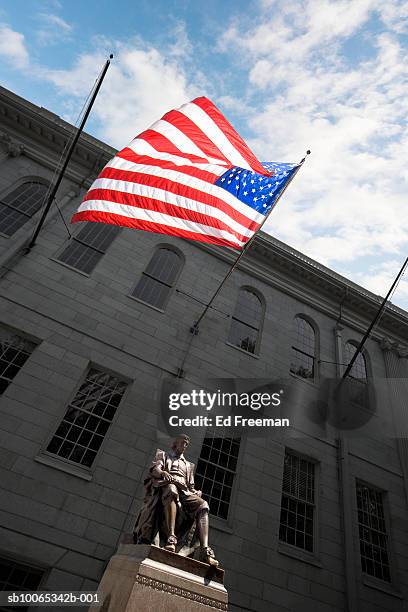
x,y
164,181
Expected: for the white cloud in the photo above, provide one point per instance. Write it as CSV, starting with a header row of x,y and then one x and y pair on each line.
x,y
182,46
13,48
379,279
349,201
141,85
54,29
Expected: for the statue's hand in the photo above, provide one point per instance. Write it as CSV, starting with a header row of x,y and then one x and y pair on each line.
x,y
168,477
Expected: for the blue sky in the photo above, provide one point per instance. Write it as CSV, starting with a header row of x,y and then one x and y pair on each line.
x,y
326,75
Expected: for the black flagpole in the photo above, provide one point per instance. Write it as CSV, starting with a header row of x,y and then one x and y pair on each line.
x,y
194,329
376,318
68,157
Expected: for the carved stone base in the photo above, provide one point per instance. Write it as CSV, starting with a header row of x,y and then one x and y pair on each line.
x,y
144,578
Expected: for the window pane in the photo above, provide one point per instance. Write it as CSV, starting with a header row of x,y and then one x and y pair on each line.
x,y
164,266
372,533
152,292
21,204
80,442
297,504
212,476
86,248
304,336
18,577
98,235
249,308
14,352
359,369
301,364
243,336
246,321
10,220
303,349
158,278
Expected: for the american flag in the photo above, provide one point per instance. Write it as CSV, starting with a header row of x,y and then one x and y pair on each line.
x,y
189,175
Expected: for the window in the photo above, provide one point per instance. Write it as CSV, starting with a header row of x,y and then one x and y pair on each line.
x,y
18,577
159,278
359,369
88,418
20,205
358,375
14,352
372,532
245,331
88,246
298,502
215,472
302,361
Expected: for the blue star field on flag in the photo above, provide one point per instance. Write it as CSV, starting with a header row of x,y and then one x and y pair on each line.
x,y
258,191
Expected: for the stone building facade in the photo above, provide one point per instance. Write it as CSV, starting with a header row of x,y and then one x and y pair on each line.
x,y
306,518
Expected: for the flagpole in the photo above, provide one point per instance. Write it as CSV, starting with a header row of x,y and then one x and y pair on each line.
x,y
195,328
68,157
374,321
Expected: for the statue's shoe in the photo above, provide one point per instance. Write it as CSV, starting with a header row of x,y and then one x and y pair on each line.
x,y
171,543
206,555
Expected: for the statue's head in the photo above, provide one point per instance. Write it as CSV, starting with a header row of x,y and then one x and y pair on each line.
x,y
180,443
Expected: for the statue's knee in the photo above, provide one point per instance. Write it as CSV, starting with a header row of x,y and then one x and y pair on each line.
x,y
169,494
204,508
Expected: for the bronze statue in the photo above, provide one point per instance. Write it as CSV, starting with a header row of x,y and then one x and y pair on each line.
x,y
172,506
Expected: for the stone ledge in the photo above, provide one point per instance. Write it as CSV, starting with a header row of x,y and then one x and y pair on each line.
x,y
160,555
146,578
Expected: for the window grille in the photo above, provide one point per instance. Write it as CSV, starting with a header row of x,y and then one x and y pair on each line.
x,y
159,278
358,374
303,349
18,206
14,352
18,577
359,369
372,533
88,418
246,321
215,472
298,502
88,246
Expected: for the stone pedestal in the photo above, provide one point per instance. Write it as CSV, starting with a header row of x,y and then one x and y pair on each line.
x,y
144,578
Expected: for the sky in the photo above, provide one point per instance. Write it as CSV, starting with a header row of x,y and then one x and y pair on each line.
x,y
329,76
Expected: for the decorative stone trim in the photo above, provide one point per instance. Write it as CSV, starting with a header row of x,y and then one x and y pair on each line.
x,y
10,147
167,588
392,345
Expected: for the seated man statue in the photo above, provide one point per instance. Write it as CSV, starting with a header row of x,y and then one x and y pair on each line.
x,y
172,505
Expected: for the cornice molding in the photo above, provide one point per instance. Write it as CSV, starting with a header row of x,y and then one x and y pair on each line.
x,y
393,346
284,268
11,147
44,136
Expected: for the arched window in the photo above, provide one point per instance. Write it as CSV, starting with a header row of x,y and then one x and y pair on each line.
x,y
359,369
303,357
159,278
245,330
20,205
84,250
